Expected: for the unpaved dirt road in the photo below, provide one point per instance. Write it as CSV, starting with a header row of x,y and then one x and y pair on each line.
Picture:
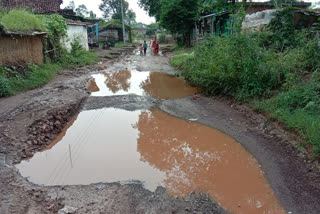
x,y
30,121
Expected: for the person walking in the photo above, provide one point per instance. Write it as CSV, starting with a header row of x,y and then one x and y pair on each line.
x,y
154,44
145,46
156,49
141,50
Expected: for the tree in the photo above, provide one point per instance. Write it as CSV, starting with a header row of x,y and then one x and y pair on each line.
x,y
112,8
82,10
153,7
71,6
131,17
152,29
92,15
179,16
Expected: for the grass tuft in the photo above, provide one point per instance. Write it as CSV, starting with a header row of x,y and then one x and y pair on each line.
x,y
21,20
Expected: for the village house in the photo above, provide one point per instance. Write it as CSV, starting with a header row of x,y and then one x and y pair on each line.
x,y
219,23
113,32
140,31
21,47
77,27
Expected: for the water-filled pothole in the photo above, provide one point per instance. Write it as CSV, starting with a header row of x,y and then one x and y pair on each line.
x,y
154,84
110,145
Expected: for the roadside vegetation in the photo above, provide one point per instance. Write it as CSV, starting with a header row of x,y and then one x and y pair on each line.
x,y
276,71
18,78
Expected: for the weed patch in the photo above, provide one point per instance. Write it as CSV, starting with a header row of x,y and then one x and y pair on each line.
x,y
299,109
21,20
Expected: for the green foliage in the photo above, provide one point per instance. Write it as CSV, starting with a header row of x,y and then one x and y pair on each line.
x,y
82,10
178,16
153,7
181,58
162,38
299,109
77,56
282,34
34,76
15,79
239,66
152,29
56,26
112,9
21,20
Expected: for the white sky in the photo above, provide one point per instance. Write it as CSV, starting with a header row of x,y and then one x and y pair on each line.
x,y
93,5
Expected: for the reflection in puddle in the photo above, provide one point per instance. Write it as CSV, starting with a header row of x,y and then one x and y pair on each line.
x,y
93,86
155,84
110,145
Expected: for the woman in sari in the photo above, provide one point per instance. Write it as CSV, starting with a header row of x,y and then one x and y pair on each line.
x,y
156,49
154,44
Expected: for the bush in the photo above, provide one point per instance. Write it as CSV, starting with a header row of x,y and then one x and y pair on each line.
x,y
5,89
234,66
77,56
162,38
21,20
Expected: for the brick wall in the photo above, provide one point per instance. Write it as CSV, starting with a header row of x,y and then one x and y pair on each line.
x,y
40,6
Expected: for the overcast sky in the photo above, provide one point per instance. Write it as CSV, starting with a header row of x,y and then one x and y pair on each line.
x,y
93,5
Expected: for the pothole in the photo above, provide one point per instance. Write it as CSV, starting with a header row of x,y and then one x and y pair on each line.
x,y
115,145
154,84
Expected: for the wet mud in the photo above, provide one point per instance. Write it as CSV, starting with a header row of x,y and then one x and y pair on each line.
x,y
152,147
179,155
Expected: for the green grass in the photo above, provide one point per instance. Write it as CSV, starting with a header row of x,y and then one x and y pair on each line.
x,y
180,58
119,44
239,66
299,109
35,76
21,20
78,58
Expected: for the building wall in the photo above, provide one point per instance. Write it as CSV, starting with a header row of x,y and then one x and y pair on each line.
x,y
113,34
21,49
40,6
76,32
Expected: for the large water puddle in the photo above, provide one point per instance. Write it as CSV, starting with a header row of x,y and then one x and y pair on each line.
x,y
111,145
154,84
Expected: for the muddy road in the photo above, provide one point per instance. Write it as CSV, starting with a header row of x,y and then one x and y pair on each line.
x,y
127,136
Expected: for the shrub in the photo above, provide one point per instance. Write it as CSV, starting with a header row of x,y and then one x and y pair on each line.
x,y
21,20
234,66
77,56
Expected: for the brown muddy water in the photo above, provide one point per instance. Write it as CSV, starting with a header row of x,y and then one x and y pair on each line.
x,y
154,84
114,145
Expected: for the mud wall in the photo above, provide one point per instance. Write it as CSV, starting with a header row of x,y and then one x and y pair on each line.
x,y
21,49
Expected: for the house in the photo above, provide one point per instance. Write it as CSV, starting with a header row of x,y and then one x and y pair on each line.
x,y
79,28
21,47
112,31
218,23
253,7
39,6
140,31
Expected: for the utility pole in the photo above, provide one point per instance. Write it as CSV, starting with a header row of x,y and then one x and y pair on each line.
x,y
123,27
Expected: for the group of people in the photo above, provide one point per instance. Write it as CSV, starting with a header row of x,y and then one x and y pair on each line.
x,y
154,44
